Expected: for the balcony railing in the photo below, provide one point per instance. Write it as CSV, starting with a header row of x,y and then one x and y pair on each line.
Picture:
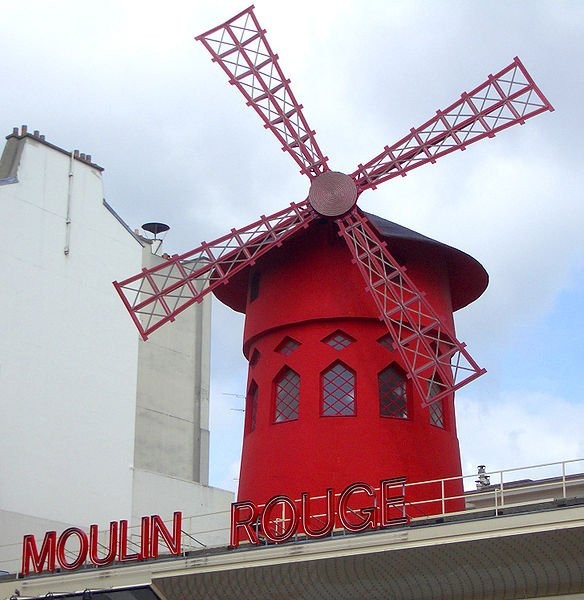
x,y
494,493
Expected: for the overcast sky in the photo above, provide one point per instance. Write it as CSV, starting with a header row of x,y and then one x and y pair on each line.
x,y
125,82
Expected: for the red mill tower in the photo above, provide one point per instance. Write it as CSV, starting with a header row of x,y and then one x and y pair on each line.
x,y
349,331
328,397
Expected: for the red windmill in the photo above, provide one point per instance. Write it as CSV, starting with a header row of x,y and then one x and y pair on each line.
x,y
352,368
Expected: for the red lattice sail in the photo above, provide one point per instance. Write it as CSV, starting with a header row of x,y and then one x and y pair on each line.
x,y
436,362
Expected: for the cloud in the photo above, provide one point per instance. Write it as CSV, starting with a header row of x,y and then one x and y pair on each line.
x,y
129,85
519,429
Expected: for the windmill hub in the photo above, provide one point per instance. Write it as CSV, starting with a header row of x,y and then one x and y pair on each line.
x,y
332,194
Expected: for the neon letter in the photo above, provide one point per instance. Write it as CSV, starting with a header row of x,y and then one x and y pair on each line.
x,y
246,523
123,552
366,514
397,503
329,518
94,543
47,553
159,528
287,525
82,552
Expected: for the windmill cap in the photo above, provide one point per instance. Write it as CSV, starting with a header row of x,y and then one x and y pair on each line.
x,y
467,277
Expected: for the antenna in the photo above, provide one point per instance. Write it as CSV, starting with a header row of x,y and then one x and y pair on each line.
x,y
155,228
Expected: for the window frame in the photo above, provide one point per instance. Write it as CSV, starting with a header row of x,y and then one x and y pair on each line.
x,y
347,340
276,412
439,404
406,392
287,346
251,407
323,374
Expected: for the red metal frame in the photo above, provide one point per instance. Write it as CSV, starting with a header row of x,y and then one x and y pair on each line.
x,y
428,347
157,295
430,351
241,49
505,99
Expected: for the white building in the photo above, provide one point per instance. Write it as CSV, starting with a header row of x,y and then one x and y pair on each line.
x,y
96,424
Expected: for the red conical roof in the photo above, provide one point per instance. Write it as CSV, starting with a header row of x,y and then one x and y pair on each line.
x,y
467,277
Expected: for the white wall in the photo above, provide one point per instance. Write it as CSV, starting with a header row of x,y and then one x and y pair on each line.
x,y
172,413
95,425
68,352
206,510
171,456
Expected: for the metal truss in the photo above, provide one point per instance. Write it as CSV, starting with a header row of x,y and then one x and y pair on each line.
x,y
157,295
241,49
505,99
436,361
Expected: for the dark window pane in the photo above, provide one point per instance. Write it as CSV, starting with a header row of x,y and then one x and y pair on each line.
x,y
338,391
437,408
338,340
287,346
251,406
392,393
287,396
387,342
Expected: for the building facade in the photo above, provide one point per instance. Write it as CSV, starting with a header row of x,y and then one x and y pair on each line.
x,y
89,411
516,539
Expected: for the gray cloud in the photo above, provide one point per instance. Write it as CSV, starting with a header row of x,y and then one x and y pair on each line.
x,y
128,84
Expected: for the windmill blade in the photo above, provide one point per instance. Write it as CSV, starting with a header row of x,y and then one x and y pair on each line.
x,y
436,362
241,49
157,295
508,98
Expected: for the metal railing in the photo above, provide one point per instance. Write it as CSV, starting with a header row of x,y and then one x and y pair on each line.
x,y
494,491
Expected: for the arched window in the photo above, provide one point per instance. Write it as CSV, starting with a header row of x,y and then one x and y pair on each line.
x,y
440,345
436,408
338,391
287,392
251,407
393,399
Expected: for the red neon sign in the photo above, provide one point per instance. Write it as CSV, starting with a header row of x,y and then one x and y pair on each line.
x,y
74,547
357,508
